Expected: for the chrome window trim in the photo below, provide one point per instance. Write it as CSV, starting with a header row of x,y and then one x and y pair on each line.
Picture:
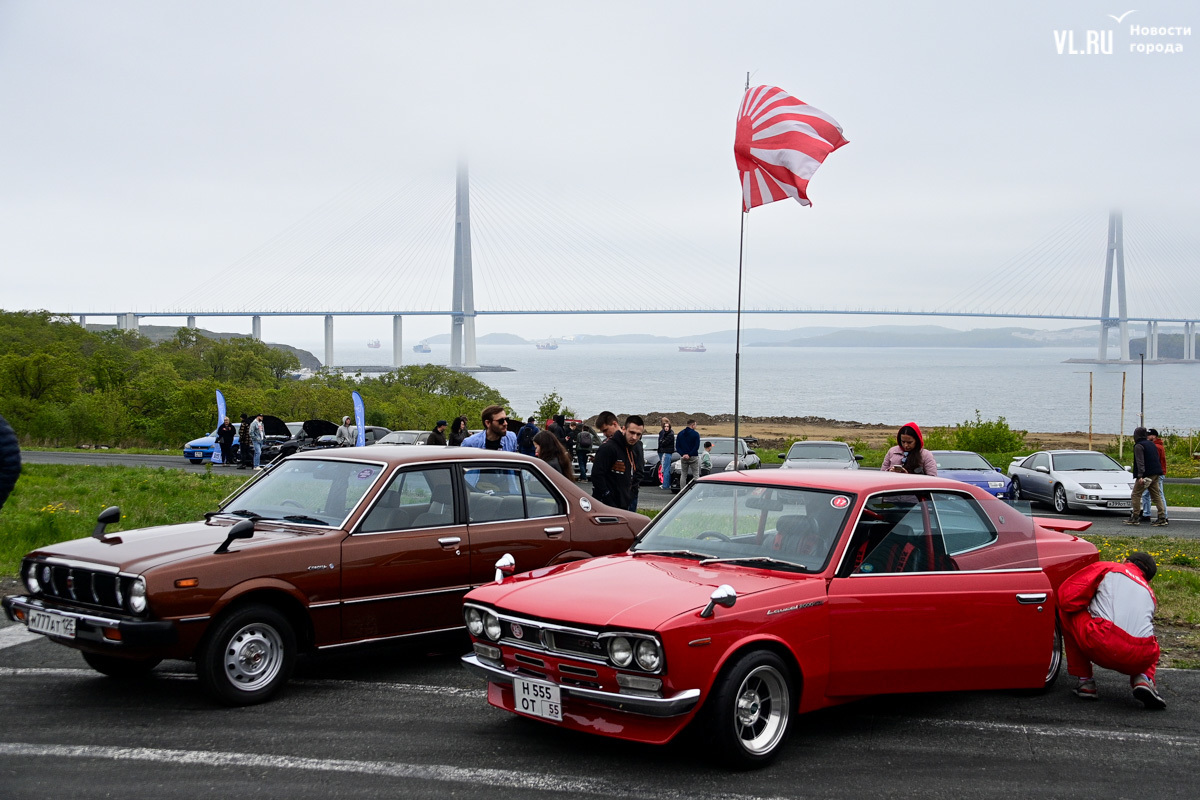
x,y
944,572
387,638
357,534
978,511
408,467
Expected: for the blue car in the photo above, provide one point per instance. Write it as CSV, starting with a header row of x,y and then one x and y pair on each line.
x,y
970,467
200,450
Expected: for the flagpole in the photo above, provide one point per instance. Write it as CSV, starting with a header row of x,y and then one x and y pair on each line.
x,y
737,346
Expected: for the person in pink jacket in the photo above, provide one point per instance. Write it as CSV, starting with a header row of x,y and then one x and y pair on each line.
x,y
909,454
1107,615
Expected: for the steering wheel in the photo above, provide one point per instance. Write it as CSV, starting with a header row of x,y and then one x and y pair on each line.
x,y
291,503
714,535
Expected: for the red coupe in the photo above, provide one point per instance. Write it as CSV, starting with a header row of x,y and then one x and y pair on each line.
x,y
756,596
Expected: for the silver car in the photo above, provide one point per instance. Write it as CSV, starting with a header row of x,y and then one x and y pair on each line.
x,y
819,455
1068,479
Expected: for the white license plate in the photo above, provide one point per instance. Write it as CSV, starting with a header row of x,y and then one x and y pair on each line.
x,y
538,699
52,624
1119,504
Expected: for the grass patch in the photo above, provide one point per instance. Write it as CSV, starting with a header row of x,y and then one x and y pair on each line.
x,y
57,502
1182,494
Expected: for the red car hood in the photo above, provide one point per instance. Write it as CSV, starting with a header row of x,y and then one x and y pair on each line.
x,y
139,550
625,591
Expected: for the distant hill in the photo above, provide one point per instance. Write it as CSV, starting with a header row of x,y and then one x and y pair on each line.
x,y
161,333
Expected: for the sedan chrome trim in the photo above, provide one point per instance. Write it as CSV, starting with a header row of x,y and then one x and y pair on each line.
x,y
452,590
326,604
73,564
674,706
387,638
945,572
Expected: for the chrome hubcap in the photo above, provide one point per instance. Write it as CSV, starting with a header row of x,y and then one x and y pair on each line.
x,y
253,657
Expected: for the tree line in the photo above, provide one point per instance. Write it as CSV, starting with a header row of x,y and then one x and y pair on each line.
x,y
62,385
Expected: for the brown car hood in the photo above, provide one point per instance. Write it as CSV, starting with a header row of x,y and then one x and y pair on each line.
x,y
138,550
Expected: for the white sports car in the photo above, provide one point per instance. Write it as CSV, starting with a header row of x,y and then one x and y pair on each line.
x,y
1068,479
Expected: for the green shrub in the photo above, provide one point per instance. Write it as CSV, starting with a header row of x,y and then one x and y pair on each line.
x,y
990,436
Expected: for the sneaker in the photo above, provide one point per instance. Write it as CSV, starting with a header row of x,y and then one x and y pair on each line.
x,y
258,469
1144,690
1086,689
1161,523
1133,521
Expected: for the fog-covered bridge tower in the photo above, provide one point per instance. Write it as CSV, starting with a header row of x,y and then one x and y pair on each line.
x,y
462,323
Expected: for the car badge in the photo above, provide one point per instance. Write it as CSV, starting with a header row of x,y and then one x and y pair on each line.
x,y
585,504
841,501
517,631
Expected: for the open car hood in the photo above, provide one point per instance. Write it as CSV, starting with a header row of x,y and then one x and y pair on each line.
x,y
316,428
274,426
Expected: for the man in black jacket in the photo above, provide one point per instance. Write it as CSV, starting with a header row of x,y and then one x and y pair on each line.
x,y
615,462
438,434
1146,469
10,460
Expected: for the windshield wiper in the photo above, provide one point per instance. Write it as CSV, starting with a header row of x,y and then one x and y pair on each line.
x,y
244,512
744,559
303,518
671,553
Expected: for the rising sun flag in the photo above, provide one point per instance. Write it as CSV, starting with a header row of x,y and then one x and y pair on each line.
x,y
780,142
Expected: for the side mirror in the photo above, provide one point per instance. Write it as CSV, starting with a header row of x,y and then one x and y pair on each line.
x,y
241,530
505,567
1043,470
106,517
1129,469
783,456
858,458
724,595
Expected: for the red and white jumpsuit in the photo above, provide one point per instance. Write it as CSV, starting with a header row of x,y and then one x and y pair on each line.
x,y
1107,614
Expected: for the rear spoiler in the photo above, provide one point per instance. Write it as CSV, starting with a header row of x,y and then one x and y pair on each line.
x,y
1062,525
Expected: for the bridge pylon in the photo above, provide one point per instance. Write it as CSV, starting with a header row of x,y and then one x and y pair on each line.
x,y
1114,257
462,301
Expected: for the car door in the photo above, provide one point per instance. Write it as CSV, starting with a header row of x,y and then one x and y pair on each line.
x,y
513,510
404,568
933,593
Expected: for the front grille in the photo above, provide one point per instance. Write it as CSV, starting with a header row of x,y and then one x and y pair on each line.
x,y
84,587
577,644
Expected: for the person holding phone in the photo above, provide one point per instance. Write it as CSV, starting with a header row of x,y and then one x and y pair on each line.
x,y
909,455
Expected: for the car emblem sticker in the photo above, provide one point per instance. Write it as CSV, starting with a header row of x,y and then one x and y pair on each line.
x,y
841,501
517,631
585,504
866,568
365,473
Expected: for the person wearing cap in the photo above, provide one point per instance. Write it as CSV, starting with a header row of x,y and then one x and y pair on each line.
x,y
1106,611
438,434
1146,471
1152,435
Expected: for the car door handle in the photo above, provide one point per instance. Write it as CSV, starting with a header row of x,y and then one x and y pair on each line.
x,y
554,531
450,541
1031,598
607,520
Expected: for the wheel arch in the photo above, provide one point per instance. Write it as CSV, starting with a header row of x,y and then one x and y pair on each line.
x,y
277,595
770,644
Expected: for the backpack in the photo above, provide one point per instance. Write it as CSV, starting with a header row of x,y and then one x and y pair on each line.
x,y
525,437
585,439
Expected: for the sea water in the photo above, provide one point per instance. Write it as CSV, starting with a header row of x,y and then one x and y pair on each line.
x,y
1033,388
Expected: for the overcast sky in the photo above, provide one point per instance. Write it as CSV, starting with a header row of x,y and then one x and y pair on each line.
x,y
202,155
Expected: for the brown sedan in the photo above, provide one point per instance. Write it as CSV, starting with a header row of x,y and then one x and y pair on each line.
x,y
325,549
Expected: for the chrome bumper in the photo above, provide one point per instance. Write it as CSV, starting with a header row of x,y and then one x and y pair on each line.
x,y
681,703
88,627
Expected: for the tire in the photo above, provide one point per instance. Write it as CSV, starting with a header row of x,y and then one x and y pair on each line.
x,y
1060,499
196,460
248,656
1014,490
1056,659
751,710
124,669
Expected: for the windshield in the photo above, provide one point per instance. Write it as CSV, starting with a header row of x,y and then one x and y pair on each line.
x,y
758,525
820,452
399,437
724,447
962,461
1068,462
307,491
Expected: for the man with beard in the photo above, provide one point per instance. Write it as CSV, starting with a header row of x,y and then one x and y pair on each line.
x,y
615,463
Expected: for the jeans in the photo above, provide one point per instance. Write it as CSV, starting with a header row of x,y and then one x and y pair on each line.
x,y
1154,485
665,460
257,452
1146,499
583,459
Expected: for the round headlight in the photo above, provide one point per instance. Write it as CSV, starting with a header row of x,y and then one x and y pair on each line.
x,y
31,579
620,651
491,626
137,596
474,620
649,655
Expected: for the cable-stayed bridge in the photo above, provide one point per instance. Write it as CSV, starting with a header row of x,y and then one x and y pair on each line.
x,y
353,262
